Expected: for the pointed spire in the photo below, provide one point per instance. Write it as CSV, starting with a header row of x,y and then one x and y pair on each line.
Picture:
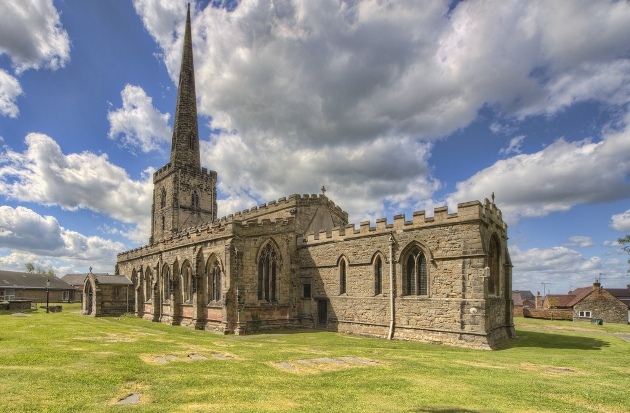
x,y
185,147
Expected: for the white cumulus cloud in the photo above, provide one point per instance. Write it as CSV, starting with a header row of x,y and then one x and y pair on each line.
x,y
562,269
32,35
10,89
44,174
365,81
138,123
23,230
621,222
556,178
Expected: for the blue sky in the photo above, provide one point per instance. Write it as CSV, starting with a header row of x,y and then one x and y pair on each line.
x,y
394,107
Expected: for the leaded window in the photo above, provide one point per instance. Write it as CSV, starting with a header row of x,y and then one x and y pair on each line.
x,y
267,274
214,281
416,280
378,276
187,287
342,277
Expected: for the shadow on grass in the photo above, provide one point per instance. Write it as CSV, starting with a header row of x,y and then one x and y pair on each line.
x,y
551,340
444,410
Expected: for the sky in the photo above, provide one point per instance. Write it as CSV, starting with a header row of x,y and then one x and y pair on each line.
x,y
393,106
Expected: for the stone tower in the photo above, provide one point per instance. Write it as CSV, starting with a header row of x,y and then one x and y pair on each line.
x,y
184,194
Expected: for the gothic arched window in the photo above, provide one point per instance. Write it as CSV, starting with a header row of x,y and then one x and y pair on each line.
x,y
213,272
416,279
267,274
147,286
166,282
186,282
342,276
378,276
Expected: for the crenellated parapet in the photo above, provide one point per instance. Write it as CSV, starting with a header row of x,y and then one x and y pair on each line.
x,y
466,212
293,201
169,168
224,227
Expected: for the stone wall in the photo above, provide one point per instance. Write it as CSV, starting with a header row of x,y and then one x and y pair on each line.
x,y
455,310
548,314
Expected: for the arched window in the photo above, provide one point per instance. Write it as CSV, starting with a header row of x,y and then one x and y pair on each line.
x,y
195,199
267,274
416,280
163,222
148,291
166,282
186,281
342,276
493,264
163,199
213,272
378,276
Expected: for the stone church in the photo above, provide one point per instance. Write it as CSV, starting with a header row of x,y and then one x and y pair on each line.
x,y
296,262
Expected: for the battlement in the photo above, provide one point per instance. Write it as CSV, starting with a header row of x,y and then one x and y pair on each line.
x,y
467,211
169,168
294,200
203,232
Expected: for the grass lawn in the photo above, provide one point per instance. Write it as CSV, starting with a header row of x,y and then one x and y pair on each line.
x,y
65,362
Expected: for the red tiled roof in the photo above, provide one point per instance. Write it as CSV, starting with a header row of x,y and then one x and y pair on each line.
x,y
558,300
579,293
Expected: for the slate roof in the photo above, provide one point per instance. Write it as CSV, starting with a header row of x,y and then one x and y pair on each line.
x,y
520,297
27,280
112,279
621,294
74,279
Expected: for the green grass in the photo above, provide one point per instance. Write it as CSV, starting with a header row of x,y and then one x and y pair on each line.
x,y
65,362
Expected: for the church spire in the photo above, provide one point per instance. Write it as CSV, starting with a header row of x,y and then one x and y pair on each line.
x,y
185,147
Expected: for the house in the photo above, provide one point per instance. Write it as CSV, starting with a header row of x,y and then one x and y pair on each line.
x,y
522,299
77,281
29,286
107,295
598,303
438,277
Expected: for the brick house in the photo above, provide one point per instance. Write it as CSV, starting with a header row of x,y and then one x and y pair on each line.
x,y
29,286
77,281
297,262
522,300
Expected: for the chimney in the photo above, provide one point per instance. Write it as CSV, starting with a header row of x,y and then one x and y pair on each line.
x,y
539,302
596,285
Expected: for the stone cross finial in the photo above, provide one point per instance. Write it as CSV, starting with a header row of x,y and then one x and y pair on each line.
x,y
323,190
90,269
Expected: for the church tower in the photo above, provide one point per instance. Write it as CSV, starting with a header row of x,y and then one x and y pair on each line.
x,y
184,194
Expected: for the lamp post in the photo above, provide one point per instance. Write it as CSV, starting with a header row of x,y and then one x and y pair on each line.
x,y
47,292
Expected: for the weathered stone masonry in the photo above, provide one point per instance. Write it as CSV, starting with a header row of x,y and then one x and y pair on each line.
x,y
296,262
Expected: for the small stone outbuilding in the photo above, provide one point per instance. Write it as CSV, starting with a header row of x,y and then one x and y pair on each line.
x,y
107,295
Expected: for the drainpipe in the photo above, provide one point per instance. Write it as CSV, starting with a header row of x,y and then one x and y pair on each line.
x,y
390,335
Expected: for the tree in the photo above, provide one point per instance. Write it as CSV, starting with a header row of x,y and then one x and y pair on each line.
x,y
30,267
625,241
50,272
